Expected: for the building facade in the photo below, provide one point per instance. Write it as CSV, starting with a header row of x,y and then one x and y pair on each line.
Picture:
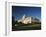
x,y
27,20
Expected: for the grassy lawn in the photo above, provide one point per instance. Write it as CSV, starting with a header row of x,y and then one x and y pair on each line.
x,y
21,26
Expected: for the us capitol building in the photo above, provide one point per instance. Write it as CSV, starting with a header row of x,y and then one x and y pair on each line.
x,y
28,19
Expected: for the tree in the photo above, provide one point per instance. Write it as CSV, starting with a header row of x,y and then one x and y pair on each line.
x,y
13,23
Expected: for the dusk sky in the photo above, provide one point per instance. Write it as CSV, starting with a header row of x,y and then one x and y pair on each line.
x,y
19,11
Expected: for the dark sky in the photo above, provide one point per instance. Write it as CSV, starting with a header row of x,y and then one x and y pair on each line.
x,y
19,11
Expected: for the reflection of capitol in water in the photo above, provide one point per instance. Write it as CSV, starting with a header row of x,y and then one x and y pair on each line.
x,y
27,20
